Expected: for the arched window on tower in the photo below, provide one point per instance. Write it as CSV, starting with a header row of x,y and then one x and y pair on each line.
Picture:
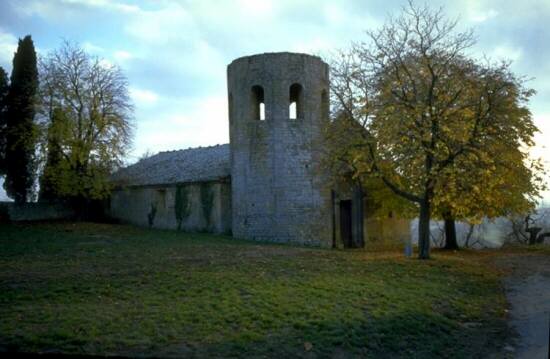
x,y
257,101
295,109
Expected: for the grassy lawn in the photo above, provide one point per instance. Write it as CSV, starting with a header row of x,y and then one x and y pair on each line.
x,y
112,289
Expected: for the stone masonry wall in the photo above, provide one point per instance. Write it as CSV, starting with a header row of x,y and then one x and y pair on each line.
x,y
278,190
206,207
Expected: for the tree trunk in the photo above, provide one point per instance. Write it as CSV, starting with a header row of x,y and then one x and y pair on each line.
x,y
424,230
333,216
533,231
542,236
450,233
469,236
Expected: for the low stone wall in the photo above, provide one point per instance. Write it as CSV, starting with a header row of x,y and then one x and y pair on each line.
x,y
387,230
35,211
193,207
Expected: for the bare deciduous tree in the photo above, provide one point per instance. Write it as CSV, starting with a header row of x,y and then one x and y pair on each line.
x,y
87,111
529,229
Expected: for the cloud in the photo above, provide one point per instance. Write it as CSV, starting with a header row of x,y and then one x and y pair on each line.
x,y
8,46
483,15
108,5
160,26
541,150
188,123
50,10
256,8
121,56
91,48
68,9
506,52
105,63
143,97
313,46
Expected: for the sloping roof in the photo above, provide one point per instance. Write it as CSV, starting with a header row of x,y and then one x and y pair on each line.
x,y
190,165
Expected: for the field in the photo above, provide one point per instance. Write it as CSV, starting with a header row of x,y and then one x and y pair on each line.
x,y
117,290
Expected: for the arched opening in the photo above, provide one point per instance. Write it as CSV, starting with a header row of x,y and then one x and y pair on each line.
x,y
262,111
292,111
295,109
257,101
325,105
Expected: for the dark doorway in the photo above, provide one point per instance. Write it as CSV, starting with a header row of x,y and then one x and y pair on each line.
x,y
345,223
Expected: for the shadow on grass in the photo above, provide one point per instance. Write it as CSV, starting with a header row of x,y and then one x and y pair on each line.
x,y
409,335
401,336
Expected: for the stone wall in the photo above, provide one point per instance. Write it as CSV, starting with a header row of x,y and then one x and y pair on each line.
x,y
278,192
375,230
195,207
37,211
387,230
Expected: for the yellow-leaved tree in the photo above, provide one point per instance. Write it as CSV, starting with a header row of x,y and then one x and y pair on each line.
x,y
87,113
440,129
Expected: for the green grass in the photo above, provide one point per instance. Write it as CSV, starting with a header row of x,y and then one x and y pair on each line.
x,y
536,249
111,289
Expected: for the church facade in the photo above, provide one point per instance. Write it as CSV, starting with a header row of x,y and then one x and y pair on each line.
x,y
268,183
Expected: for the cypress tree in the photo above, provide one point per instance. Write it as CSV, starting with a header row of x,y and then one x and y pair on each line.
x,y
21,132
3,99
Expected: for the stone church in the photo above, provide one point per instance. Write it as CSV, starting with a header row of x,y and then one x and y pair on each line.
x,y
267,184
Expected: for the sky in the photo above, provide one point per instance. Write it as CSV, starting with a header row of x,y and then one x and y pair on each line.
x,y
175,53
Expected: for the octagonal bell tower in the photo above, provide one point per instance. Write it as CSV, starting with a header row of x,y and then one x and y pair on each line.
x,y
278,105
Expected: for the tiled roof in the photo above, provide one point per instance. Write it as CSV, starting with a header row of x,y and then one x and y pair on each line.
x,y
190,165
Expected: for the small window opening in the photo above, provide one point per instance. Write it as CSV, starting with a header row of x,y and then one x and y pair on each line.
x,y
262,111
258,105
295,109
292,110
